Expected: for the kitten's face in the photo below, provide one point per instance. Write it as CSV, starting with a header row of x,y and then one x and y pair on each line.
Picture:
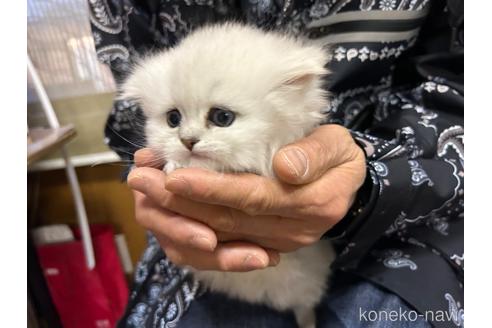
x,y
227,99
213,126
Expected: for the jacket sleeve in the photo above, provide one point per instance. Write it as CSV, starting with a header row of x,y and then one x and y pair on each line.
x,y
415,160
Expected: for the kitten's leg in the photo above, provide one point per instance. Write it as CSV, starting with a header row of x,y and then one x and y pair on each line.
x,y
305,317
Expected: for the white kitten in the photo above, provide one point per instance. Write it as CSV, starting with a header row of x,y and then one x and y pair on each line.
x,y
227,98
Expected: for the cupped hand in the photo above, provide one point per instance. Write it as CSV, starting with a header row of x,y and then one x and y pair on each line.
x,y
239,222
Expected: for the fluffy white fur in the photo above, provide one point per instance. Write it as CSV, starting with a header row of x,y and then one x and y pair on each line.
x,y
273,83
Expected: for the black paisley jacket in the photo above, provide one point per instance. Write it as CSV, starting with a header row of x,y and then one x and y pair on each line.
x,y
397,84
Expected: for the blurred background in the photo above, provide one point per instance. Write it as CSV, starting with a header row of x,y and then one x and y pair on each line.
x,y
80,90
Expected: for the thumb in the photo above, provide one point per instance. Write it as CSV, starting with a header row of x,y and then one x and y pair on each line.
x,y
309,158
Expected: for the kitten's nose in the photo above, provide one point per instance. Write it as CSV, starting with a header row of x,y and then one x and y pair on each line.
x,y
189,143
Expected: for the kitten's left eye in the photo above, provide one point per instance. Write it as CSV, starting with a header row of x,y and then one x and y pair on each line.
x,y
221,117
173,118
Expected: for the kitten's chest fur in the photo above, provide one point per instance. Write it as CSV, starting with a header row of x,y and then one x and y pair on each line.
x,y
297,283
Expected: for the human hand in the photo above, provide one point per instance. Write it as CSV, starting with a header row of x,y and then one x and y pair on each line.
x,y
318,179
185,240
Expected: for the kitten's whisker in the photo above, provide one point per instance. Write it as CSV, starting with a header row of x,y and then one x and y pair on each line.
x,y
122,150
122,137
122,161
111,164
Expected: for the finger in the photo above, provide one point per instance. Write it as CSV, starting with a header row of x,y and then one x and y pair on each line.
x,y
309,158
146,157
270,210
177,228
225,219
328,199
282,245
249,193
271,231
218,217
232,256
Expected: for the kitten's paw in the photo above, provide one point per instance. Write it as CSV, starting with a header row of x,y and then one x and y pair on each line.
x,y
305,317
171,166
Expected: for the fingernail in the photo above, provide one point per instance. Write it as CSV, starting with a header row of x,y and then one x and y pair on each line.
x,y
296,160
178,185
137,181
202,242
252,262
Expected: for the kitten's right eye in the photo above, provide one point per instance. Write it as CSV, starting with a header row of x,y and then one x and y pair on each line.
x,y
173,118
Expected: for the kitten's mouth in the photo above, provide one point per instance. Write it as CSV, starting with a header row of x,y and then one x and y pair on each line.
x,y
196,155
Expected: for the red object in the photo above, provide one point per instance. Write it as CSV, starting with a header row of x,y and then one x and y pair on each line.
x,y
83,298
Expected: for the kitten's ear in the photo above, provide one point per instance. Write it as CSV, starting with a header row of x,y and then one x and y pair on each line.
x,y
303,77
131,89
145,82
304,68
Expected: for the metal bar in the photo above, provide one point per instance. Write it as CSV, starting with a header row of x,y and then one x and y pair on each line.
x,y
71,174
43,96
81,213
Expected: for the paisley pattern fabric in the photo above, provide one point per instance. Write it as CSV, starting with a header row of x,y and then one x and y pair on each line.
x,y
397,84
161,291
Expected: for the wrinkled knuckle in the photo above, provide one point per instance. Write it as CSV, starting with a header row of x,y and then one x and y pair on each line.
x,y
318,201
227,222
224,265
257,201
165,199
322,152
304,240
208,192
316,146
245,202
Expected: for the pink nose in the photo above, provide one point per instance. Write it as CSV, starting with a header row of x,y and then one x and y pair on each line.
x,y
189,143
